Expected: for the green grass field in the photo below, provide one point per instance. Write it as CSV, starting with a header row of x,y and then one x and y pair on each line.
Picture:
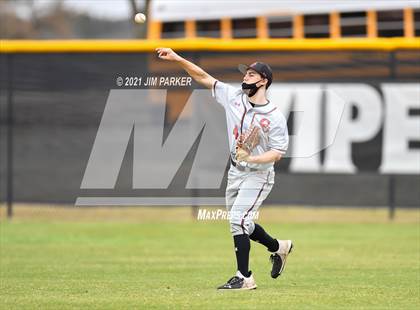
x,y
133,263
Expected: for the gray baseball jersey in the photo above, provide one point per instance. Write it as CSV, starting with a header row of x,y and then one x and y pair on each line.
x,y
240,115
246,190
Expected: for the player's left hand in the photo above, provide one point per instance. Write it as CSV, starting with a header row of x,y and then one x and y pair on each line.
x,y
246,142
242,155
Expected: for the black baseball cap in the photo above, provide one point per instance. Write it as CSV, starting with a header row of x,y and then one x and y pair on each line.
x,y
263,69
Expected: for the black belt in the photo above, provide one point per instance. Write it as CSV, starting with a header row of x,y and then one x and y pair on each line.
x,y
242,168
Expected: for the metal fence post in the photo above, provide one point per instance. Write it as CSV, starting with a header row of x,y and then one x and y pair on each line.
x,y
9,155
391,179
391,196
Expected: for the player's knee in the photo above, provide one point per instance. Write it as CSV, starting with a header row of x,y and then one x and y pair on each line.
x,y
239,228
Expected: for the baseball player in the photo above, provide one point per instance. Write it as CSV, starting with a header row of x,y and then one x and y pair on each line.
x,y
258,137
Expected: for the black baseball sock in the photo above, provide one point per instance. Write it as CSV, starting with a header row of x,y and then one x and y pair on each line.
x,y
242,247
259,235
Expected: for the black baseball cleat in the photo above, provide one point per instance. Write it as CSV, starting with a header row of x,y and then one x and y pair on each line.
x,y
278,259
239,282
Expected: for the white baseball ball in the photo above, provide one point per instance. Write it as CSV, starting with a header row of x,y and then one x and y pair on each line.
x,y
140,18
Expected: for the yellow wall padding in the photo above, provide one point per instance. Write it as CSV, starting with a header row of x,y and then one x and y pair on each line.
x,y
206,44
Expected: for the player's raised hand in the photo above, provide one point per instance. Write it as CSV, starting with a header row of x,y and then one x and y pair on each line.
x,y
167,54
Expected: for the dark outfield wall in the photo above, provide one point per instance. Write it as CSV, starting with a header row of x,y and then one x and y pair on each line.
x,y
58,101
